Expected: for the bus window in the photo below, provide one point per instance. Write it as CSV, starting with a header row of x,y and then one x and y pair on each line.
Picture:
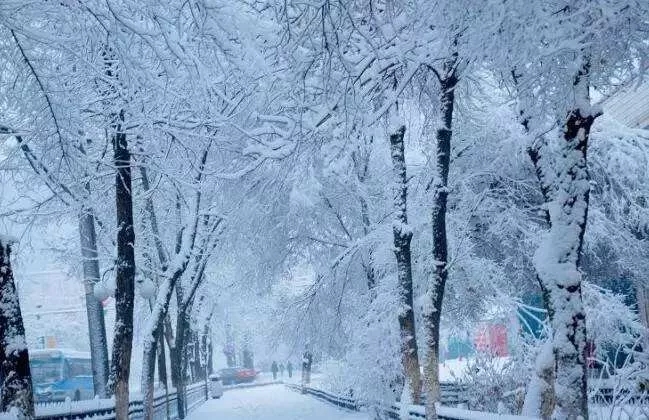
x,y
46,370
79,367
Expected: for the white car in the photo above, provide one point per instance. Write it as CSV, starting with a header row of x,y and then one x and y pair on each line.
x,y
216,387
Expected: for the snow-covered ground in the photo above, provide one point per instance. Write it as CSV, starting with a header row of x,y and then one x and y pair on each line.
x,y
272,402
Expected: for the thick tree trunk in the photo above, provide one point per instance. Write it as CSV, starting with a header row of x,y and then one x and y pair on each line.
x,y
540,396
565,182
557,264
433,311
15,376
125,274
94,310
402,237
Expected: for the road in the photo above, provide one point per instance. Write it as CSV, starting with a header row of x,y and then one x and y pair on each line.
x,y
271,402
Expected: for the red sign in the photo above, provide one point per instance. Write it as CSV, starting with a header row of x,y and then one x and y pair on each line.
x,y
492,339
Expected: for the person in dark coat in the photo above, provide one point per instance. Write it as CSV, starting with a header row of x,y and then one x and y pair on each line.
x,y
273,368
289,368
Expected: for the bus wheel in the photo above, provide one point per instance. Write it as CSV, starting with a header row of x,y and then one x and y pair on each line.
x,y
77,395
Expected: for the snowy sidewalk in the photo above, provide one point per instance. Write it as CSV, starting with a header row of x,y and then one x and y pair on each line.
x,y
272,402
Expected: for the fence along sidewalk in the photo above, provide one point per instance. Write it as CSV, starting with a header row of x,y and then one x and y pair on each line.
x,y
104,409
415,412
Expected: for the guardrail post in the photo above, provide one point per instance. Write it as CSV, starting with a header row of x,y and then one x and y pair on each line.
x,y
68,405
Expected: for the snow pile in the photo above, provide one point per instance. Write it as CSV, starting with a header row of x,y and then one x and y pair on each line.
x,y
12,415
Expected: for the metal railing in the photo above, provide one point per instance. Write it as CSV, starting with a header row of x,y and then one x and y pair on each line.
x,y
165,406
343,402
396,411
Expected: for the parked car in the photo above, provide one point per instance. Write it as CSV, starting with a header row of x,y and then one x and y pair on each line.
x,y
216,387
237,375
59,374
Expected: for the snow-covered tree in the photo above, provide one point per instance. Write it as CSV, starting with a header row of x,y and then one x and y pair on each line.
x,y
16,389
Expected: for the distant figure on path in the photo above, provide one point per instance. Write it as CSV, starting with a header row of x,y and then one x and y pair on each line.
x,y
273,367
289,368
281,370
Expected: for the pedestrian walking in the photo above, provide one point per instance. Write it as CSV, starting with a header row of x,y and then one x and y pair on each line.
x,y
289,368
273,368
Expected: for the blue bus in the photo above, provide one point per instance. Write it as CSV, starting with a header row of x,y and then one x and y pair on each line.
x,y
58,374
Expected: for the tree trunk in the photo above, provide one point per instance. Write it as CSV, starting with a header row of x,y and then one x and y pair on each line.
x,y
195,367
154,338
361,160
15,376
230,351
402,237
210,356
94,310
149,351
540,395
174,365
565,182
643,308
203,351
162,368
179,361
148,371
557,264
162,360
125,273
368,263
433,311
